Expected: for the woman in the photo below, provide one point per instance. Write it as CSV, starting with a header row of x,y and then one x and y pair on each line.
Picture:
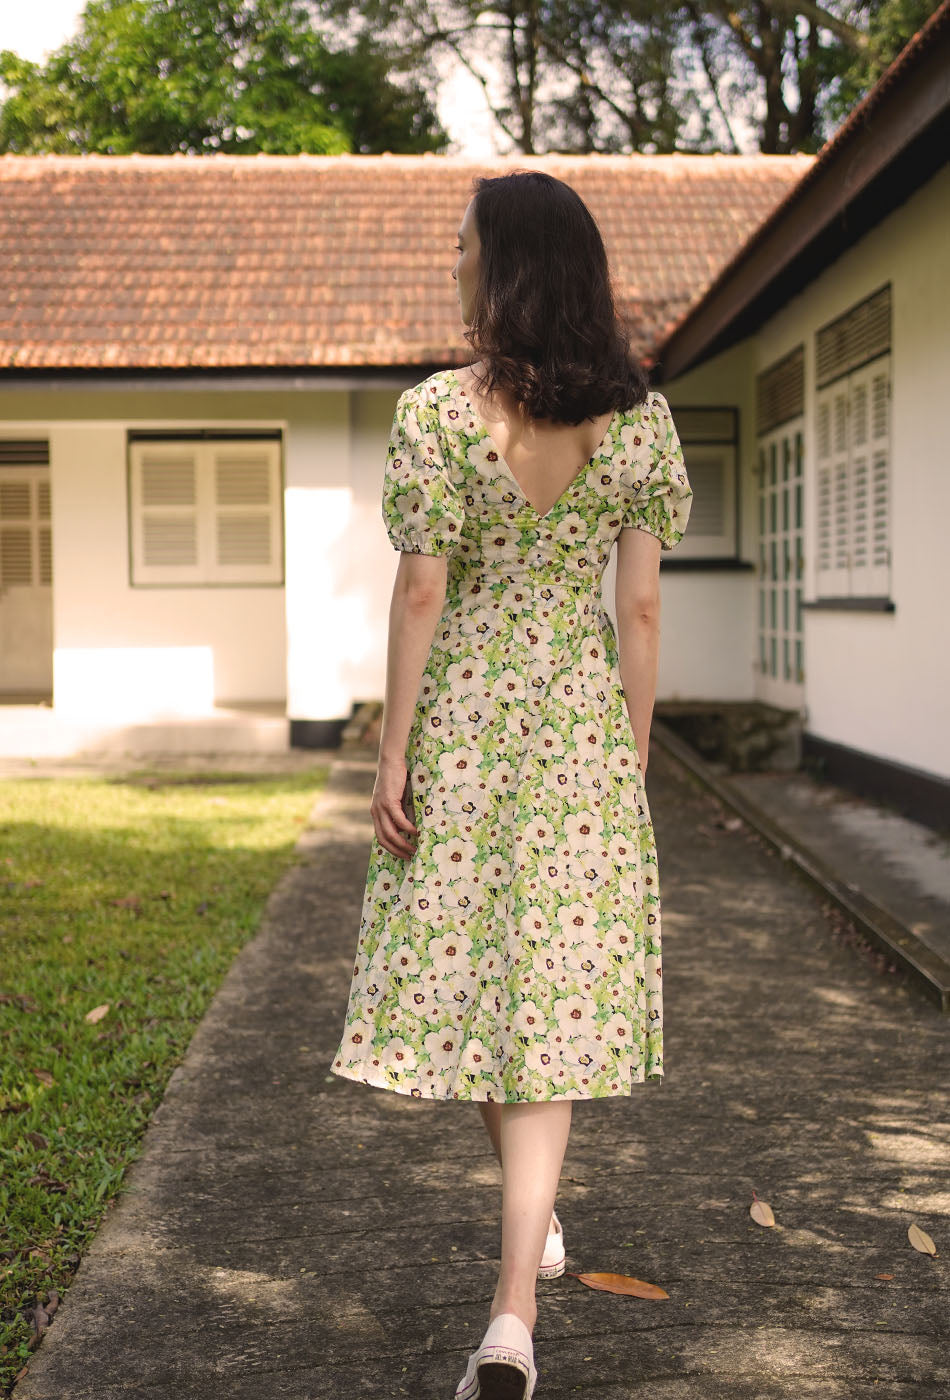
x,y
509,947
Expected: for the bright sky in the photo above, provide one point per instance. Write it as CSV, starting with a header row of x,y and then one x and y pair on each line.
x,y
34,30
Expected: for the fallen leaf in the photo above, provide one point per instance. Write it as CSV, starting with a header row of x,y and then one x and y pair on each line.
x,y
97,1013
44,1076
622,1283
128,901
888,1276
37,1139
921,1240
761,1212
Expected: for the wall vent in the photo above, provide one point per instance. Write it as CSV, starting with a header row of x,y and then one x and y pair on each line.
x,y
853,339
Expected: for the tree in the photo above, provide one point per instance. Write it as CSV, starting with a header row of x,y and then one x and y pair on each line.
x,y
637,75
159,76
571,75
804,65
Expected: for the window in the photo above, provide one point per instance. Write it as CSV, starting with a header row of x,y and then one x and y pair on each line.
x,y
708,437
205,510
852,449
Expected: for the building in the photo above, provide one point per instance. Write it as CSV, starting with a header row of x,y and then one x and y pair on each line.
x,y
199,361
828,337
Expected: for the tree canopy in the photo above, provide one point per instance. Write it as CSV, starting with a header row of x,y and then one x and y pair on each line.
x,y
328,76
637,75
160,76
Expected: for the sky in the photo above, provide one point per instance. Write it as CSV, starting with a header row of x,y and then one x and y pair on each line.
x,y
34,30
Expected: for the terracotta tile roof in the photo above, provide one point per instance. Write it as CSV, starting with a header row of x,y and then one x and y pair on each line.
x,y
173,262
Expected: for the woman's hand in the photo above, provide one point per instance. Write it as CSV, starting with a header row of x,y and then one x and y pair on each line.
x,y
389,819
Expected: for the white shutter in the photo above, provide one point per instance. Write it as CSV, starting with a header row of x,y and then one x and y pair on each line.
x,y
834,491
164,501
206,512
879,571
247,518
823,458
25,544
870,405
860,480
711,472
852,446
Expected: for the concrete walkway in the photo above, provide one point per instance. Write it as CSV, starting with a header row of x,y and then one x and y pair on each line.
x,y
289,1235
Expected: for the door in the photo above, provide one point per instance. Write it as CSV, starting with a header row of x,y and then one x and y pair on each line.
x,y
26,592
781,659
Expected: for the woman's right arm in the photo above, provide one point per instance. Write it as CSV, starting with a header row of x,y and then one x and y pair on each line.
x,y
637,606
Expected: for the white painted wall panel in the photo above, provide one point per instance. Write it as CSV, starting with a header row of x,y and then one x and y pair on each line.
x,y
880,682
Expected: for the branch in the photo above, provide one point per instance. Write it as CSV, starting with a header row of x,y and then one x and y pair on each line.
x,y
855,39
700,40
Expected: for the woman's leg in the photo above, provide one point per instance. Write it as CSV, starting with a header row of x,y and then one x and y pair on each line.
x,y
533,1139
491,1116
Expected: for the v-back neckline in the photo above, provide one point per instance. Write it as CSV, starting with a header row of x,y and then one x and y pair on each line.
x,y
598,452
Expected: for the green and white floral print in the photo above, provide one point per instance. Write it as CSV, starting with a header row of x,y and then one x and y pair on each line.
x,y
516,954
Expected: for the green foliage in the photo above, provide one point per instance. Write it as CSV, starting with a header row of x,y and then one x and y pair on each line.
x,y
160,76
890,24
567,75
136,894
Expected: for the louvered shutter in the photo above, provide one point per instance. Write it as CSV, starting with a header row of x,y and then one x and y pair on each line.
x,y
879,510
247,519
834,491
852,444
165,512
708,438
206,512
25,539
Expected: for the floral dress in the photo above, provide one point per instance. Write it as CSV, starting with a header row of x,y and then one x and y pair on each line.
x,y
515,955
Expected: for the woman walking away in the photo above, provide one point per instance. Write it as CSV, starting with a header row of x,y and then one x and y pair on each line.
x,y
509,945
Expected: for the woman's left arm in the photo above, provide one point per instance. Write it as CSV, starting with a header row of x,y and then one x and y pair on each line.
x,y
417,600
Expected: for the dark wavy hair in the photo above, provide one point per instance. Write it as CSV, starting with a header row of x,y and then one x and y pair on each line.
x,y
544,320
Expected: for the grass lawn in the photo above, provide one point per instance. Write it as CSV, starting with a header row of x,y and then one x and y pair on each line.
x,y
132,894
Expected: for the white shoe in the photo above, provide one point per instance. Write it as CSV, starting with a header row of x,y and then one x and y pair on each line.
x,y
552,1260
503,1366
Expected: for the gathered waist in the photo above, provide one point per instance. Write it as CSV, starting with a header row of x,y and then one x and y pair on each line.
x,y
534,580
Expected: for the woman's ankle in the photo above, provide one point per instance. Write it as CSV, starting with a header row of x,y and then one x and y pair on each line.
x,y
528,1312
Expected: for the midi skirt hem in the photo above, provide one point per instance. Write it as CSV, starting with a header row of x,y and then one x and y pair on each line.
x,y
377,1078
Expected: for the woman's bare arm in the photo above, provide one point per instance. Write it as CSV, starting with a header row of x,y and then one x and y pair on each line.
x,y
418,596
637,605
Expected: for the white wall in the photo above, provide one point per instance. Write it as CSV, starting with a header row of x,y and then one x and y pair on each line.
x,y
146,652
708,644
880,682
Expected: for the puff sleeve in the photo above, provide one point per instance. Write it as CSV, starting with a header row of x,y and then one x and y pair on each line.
x,y
662,502
422,508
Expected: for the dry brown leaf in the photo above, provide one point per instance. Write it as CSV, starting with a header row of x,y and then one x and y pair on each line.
x,y
97,1013
921,1240
622,1283
44,1076
761,1212
887,1276
37,1140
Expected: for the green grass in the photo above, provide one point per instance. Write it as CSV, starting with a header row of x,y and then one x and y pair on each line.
x,y
137,892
